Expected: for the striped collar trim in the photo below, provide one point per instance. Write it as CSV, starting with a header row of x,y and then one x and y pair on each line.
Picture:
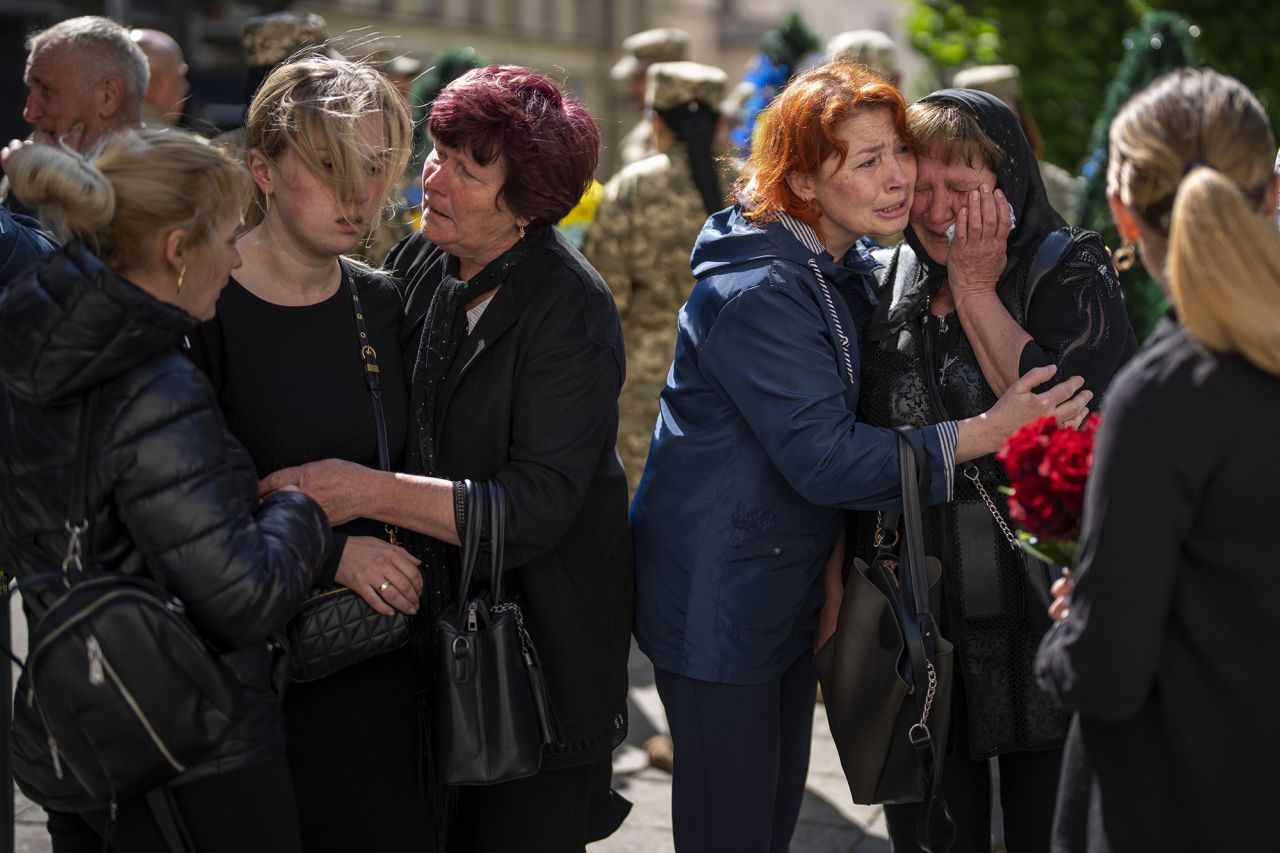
x,y
806,235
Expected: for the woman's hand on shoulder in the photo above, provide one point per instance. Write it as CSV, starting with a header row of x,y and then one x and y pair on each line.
x,y
985,433
976,258
386,576
337,485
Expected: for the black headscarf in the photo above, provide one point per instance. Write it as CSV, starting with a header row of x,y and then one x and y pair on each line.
x,y
1018,176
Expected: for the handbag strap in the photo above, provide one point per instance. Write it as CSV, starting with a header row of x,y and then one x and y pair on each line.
x,y
497,537
369,358
921,642
476,500
373,380
164,809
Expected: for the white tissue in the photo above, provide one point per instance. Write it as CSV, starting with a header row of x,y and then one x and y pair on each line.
x,y
1013,223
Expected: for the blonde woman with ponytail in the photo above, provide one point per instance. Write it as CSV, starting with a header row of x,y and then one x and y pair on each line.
x,y
1164,646
149,221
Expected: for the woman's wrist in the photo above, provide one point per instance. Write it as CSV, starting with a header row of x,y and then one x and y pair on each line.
x,y
977,436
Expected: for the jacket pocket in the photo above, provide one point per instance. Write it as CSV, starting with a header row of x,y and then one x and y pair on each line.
x,y
765,580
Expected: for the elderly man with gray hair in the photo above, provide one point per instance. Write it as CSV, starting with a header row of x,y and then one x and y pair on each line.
x,y
85,79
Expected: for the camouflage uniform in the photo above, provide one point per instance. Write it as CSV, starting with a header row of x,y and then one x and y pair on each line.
x,y
640,243
640,51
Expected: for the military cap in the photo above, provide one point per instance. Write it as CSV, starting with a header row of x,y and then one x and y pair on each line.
x,y
271,39
643,49
671,84
870,47
1003,81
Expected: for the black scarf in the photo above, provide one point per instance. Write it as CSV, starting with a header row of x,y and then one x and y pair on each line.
x,y
1018,176
444,329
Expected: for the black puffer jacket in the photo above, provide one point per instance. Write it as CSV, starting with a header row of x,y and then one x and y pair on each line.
x,y
171,492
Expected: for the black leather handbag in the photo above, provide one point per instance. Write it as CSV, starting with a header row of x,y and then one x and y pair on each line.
x,y
128,693
335,628
886,673
493,714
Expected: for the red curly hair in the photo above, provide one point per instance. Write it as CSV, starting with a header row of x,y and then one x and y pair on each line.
x,y
798,134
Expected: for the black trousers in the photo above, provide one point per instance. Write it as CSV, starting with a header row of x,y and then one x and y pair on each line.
x,y
741,759
243,811
553,811
1028,793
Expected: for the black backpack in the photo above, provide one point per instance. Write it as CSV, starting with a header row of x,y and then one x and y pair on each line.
x,y
127,691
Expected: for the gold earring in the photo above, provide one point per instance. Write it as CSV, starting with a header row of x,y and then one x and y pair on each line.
x,y
521,227
1124,257
182,273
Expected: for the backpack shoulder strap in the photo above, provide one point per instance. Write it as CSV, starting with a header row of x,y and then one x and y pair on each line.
x,y
1052,251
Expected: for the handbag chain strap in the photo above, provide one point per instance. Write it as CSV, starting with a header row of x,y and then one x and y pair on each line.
x,y
369,358
971,471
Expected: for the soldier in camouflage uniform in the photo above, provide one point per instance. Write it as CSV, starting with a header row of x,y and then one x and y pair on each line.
x,y
640,51
643,233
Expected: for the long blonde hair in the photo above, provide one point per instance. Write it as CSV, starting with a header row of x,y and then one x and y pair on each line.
x,y
313,104
1192,155
122,195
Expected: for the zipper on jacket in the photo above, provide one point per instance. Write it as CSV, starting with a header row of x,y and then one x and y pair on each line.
x,y
927,366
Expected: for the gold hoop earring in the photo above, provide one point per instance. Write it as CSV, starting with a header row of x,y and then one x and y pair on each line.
x,y
182,273
1124,257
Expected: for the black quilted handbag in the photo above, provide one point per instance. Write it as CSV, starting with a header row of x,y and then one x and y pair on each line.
x,y
335,628
126,690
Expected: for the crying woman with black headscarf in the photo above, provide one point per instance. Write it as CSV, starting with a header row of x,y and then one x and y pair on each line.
x,y
989,283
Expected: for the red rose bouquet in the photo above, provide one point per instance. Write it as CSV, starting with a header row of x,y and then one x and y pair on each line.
x,y
1047,466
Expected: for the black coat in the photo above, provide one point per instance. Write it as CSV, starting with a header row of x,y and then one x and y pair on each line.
x,y
531,399
171,494
1168,653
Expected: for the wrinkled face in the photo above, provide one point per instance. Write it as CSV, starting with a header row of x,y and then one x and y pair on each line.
x,y
209,268
870,193
462,209
303,206
58,98
941,190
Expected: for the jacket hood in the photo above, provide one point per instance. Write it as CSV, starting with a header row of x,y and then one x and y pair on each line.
x,y
728,239
68,323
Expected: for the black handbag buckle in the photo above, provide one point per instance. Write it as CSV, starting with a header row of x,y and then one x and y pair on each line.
x,y
461,659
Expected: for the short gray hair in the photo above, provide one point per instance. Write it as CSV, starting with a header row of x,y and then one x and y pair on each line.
x,y
105,48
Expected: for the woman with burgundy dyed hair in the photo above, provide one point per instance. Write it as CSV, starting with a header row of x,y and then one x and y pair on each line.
x,y
517,362
756,453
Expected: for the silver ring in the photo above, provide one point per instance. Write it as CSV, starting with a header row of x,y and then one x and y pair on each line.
x,y
383,587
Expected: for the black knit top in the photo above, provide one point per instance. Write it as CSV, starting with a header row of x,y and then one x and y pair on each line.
x,y
291,384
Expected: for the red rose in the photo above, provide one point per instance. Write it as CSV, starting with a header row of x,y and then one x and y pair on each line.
x,y
1048,466
1022,452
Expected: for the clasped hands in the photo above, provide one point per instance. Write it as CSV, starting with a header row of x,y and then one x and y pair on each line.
x,y
386,576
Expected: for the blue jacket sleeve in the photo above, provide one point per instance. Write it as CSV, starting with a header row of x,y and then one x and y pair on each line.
x,y
768,354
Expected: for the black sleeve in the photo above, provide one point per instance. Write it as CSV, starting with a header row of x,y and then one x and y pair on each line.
x,y
188,494
1140,502
1077,320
